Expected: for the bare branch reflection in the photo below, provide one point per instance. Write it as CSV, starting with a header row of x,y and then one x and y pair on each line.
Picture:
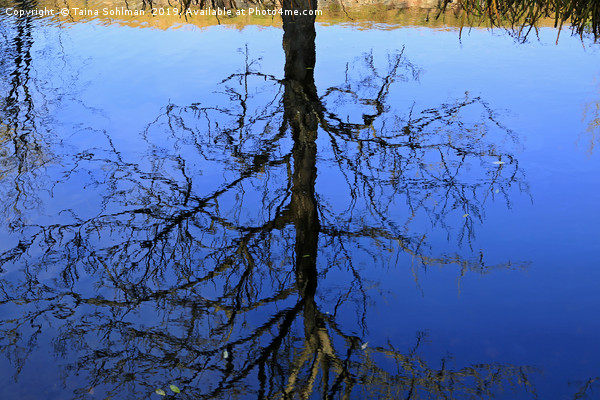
x,y
23,148
228,260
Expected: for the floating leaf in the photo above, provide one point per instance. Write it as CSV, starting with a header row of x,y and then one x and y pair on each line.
x,y
465,215
498,162
306,255
160,392
225,354
174,389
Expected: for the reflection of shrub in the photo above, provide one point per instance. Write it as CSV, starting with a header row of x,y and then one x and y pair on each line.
x,y
521,17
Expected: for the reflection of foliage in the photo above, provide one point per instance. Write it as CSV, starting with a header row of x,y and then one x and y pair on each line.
x,y
521,17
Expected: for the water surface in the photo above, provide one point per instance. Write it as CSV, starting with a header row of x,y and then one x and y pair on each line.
x,y
297,211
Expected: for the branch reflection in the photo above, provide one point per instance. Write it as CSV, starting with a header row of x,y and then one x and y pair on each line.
x,y
228,283
23,147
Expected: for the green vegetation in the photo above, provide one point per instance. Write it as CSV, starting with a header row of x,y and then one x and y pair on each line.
x,y
523,16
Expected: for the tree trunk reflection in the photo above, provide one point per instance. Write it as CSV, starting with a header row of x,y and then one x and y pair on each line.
x,y
192,283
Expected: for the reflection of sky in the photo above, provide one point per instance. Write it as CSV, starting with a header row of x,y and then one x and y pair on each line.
x,y
543,316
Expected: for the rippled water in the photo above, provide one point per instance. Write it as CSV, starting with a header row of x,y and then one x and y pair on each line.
x,y
386,211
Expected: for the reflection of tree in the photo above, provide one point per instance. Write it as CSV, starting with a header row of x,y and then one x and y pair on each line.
x,y
224,290
22,149
30,95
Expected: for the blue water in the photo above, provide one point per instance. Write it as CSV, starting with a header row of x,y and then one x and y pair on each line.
x,y
136,250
